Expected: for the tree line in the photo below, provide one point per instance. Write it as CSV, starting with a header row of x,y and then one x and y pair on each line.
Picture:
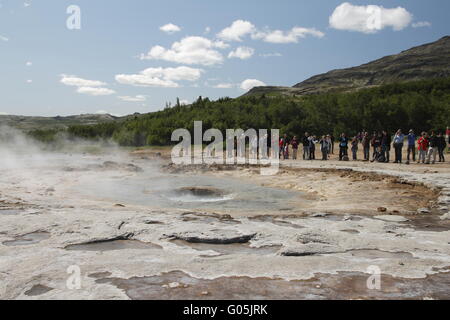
x,y
420,105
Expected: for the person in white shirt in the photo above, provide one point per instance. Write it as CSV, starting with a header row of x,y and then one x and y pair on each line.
x,y
399,140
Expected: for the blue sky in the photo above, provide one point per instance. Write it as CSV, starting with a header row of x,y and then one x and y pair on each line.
x,y
134,56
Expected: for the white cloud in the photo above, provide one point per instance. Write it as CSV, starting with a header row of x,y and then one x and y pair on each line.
x,y
236,31
369,19
138,98
170,28
251,83
224,86
29,81
3,38
242,53
84,86
80,82
421,24
268,55
221,45
160,77
95,91
207,30
291,36
184,102
190,50
29,64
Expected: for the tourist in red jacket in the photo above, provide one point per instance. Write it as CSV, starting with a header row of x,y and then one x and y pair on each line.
x,y
423,143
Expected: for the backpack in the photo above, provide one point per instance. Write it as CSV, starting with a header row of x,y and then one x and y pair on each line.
x,y
381,158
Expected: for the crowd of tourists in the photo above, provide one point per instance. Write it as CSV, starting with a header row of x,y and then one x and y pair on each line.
x,y
427,148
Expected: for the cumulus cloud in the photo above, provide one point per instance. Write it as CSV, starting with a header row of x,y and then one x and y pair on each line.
x,y
95,91
160,77
251,83
221,44
190,50
80,82
170,28
29,64
291,36
3,38
242,53
369,19
421,24
138,98
236,31
84,86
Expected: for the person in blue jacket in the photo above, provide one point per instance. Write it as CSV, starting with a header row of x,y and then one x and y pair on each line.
x,y
411,146
343,147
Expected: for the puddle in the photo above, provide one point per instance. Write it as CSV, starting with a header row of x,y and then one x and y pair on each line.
x,y
100,275
229,249
343,286
113,246
38,290
428,223
10,212
278,222
161,190
208,218
378,254
28,239
351,231
333,217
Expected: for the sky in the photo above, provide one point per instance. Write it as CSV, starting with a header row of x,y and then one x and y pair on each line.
x,y
71,57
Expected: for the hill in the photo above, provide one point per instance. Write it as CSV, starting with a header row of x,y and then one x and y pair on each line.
x,y
29,123
424,62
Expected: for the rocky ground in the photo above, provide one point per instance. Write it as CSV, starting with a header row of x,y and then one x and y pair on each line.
x,y
350,219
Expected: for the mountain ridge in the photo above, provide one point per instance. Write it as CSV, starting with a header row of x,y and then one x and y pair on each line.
x,y
427,61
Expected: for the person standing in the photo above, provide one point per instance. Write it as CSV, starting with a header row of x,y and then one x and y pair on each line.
x,y
376,144
285,147
343,147
281,144
399,140
355,142
312,148
433,148
411,146
423,147
386,142
447,133
325,147
294,144
442,146
366,146
333,140
305,143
